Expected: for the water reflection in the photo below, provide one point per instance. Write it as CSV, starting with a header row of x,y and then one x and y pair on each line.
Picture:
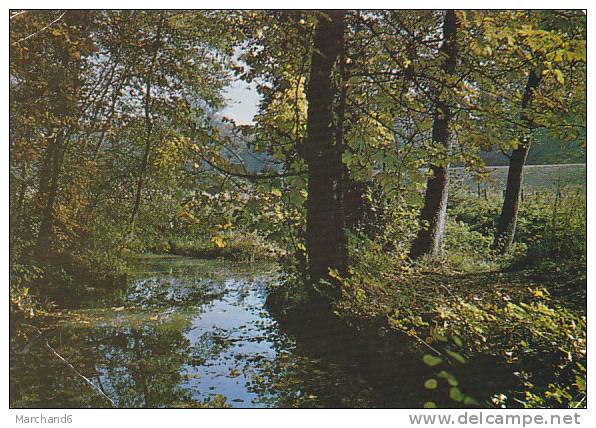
x,y
186,331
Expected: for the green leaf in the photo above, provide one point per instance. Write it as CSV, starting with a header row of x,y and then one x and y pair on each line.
x,y
469,401
448,377
431,384
430,405
456,394
457,357
276,192
431,360
457,340
581,383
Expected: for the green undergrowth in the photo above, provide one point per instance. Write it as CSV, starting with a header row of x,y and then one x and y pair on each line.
x,y
526,308
232,246
504,314
36,286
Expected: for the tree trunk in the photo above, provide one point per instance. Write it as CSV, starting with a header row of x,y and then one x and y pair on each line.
x,y
353,205
148,133
434,211
326,244
144,161
63,91
508,220
48,190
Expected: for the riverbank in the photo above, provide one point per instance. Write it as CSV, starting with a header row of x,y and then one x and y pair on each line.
x,y
195,333
201,329
233,246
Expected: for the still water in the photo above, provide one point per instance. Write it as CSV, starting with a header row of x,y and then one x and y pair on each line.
x,y
190,333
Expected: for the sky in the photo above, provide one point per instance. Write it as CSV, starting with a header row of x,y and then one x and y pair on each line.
x,y
243,101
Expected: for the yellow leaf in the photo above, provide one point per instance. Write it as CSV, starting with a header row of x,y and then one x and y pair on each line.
x,y
559,76
333,273
218,241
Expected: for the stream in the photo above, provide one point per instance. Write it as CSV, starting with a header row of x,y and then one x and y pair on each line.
x,y
193,333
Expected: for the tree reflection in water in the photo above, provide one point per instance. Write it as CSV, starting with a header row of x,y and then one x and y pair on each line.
x,y
188,332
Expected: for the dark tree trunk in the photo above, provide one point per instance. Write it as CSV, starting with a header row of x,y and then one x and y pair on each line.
x,y
326,245
508,220
434,211
63,91
358,211
48,191
355,208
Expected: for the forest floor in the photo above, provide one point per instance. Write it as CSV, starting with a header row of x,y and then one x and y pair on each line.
x,y
531,318
482,285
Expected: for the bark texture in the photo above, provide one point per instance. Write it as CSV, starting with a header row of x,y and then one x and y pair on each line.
x,y
434,211
508,219
326,245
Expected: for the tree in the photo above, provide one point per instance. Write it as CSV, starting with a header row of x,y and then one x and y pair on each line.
x,y
47,68
326,243
434,211
105,109
297,58
552,45
154,49
508,219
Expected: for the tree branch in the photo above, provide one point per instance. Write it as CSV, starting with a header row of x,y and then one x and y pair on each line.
x,y
39,31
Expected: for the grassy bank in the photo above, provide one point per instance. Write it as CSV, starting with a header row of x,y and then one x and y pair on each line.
x,y
242,247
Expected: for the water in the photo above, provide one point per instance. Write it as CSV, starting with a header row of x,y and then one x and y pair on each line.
x,y
189,333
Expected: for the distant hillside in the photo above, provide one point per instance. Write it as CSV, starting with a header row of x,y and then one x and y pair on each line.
x,y
544,152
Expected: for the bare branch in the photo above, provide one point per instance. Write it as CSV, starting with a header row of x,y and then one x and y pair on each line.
x,y
39,31
18,14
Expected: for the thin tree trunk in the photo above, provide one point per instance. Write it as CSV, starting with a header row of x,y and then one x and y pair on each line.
x,y
148,133
112,110
48,191
144,161
508,220
434,211
326,244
